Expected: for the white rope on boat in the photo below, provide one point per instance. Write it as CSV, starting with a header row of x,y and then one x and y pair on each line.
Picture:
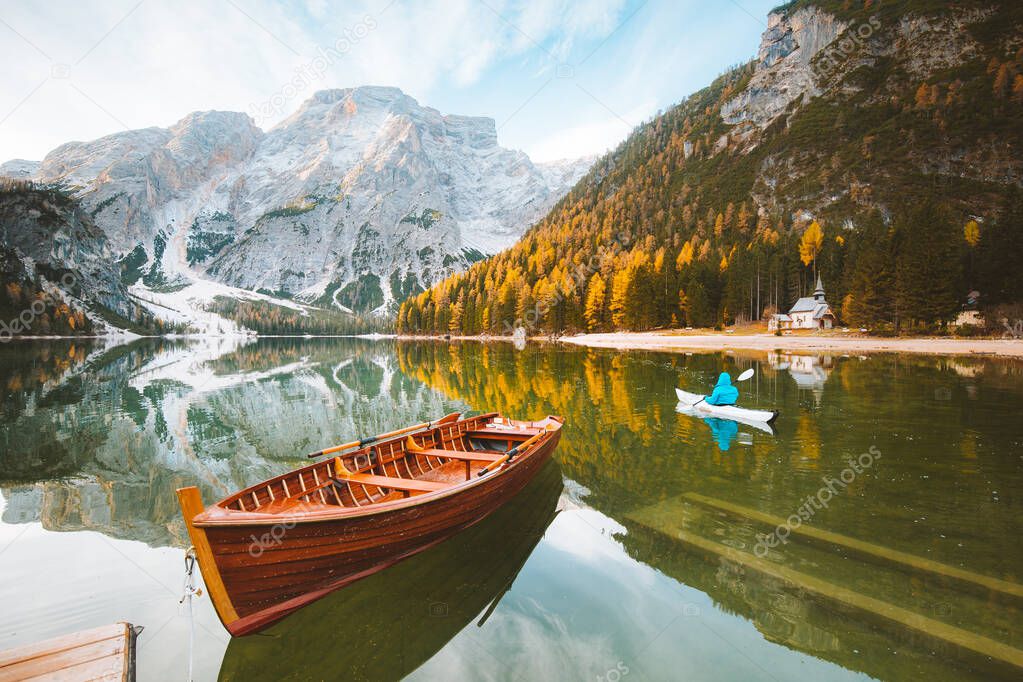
x,y
189,590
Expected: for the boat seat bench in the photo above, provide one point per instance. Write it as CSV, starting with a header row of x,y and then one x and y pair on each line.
x,y
404,484
498,434
461,455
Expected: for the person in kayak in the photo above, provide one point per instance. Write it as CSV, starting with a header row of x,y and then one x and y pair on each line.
x,y
724,393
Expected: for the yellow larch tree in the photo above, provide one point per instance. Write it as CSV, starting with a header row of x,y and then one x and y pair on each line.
x,y
810,244
595,302
619,293
971,233
685,256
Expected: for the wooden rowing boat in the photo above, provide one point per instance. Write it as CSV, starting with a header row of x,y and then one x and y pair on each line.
x,y
403,616
278,545
105,653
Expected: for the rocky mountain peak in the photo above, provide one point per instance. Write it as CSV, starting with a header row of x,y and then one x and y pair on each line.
x,y
213,138
784,70
359,198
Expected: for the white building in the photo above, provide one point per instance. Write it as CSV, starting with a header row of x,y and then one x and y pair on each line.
x,y
809,312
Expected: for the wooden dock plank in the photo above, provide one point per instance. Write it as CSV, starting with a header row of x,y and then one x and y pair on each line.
x,y
103,653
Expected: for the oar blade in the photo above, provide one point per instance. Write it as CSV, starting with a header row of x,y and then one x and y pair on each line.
x,y
746,375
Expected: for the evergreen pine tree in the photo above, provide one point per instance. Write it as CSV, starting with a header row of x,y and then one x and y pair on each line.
x,y
928,266
1000,253
871,290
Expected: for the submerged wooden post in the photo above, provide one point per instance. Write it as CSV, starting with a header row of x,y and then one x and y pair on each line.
x,y
981,583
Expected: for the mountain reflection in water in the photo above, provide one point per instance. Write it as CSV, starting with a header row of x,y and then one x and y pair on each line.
x,y
100,440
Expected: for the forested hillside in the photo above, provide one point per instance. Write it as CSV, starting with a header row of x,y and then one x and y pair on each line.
x,y
48,247
877,144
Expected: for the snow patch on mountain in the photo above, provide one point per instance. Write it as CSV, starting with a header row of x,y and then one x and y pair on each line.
x,y
20,169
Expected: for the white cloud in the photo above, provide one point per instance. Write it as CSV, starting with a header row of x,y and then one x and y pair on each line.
x,y
317,8
473,65
563,22
153,62
156,64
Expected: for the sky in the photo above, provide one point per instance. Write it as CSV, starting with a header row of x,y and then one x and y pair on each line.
x,y
561,79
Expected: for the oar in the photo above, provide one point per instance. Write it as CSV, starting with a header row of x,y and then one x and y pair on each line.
x,y
742,377
510,455
372,439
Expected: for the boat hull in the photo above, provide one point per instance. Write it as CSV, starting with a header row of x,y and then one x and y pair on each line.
x,y
428,599
697,406
258,572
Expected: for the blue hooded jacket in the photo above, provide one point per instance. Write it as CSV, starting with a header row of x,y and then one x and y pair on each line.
x,y
724,393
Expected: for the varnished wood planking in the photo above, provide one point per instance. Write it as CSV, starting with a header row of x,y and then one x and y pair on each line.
x,y
191,504
326,546
252,582
105,653
469,572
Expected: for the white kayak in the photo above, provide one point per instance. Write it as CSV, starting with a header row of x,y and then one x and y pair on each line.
x,y
696,404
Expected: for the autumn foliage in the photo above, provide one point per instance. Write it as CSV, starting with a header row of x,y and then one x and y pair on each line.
x,y
686,223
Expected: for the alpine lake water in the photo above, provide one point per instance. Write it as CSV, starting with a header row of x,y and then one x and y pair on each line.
x,y
649,549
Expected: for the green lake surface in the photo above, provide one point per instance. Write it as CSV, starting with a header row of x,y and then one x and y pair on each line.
x,y
639,553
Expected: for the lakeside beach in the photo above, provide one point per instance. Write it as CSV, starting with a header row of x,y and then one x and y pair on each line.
x,y
1012,348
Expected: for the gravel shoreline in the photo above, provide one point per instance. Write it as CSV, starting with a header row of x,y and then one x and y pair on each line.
x,y
766,342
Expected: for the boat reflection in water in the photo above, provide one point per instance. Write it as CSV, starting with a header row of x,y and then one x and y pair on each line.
x,y
387,625
723,430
